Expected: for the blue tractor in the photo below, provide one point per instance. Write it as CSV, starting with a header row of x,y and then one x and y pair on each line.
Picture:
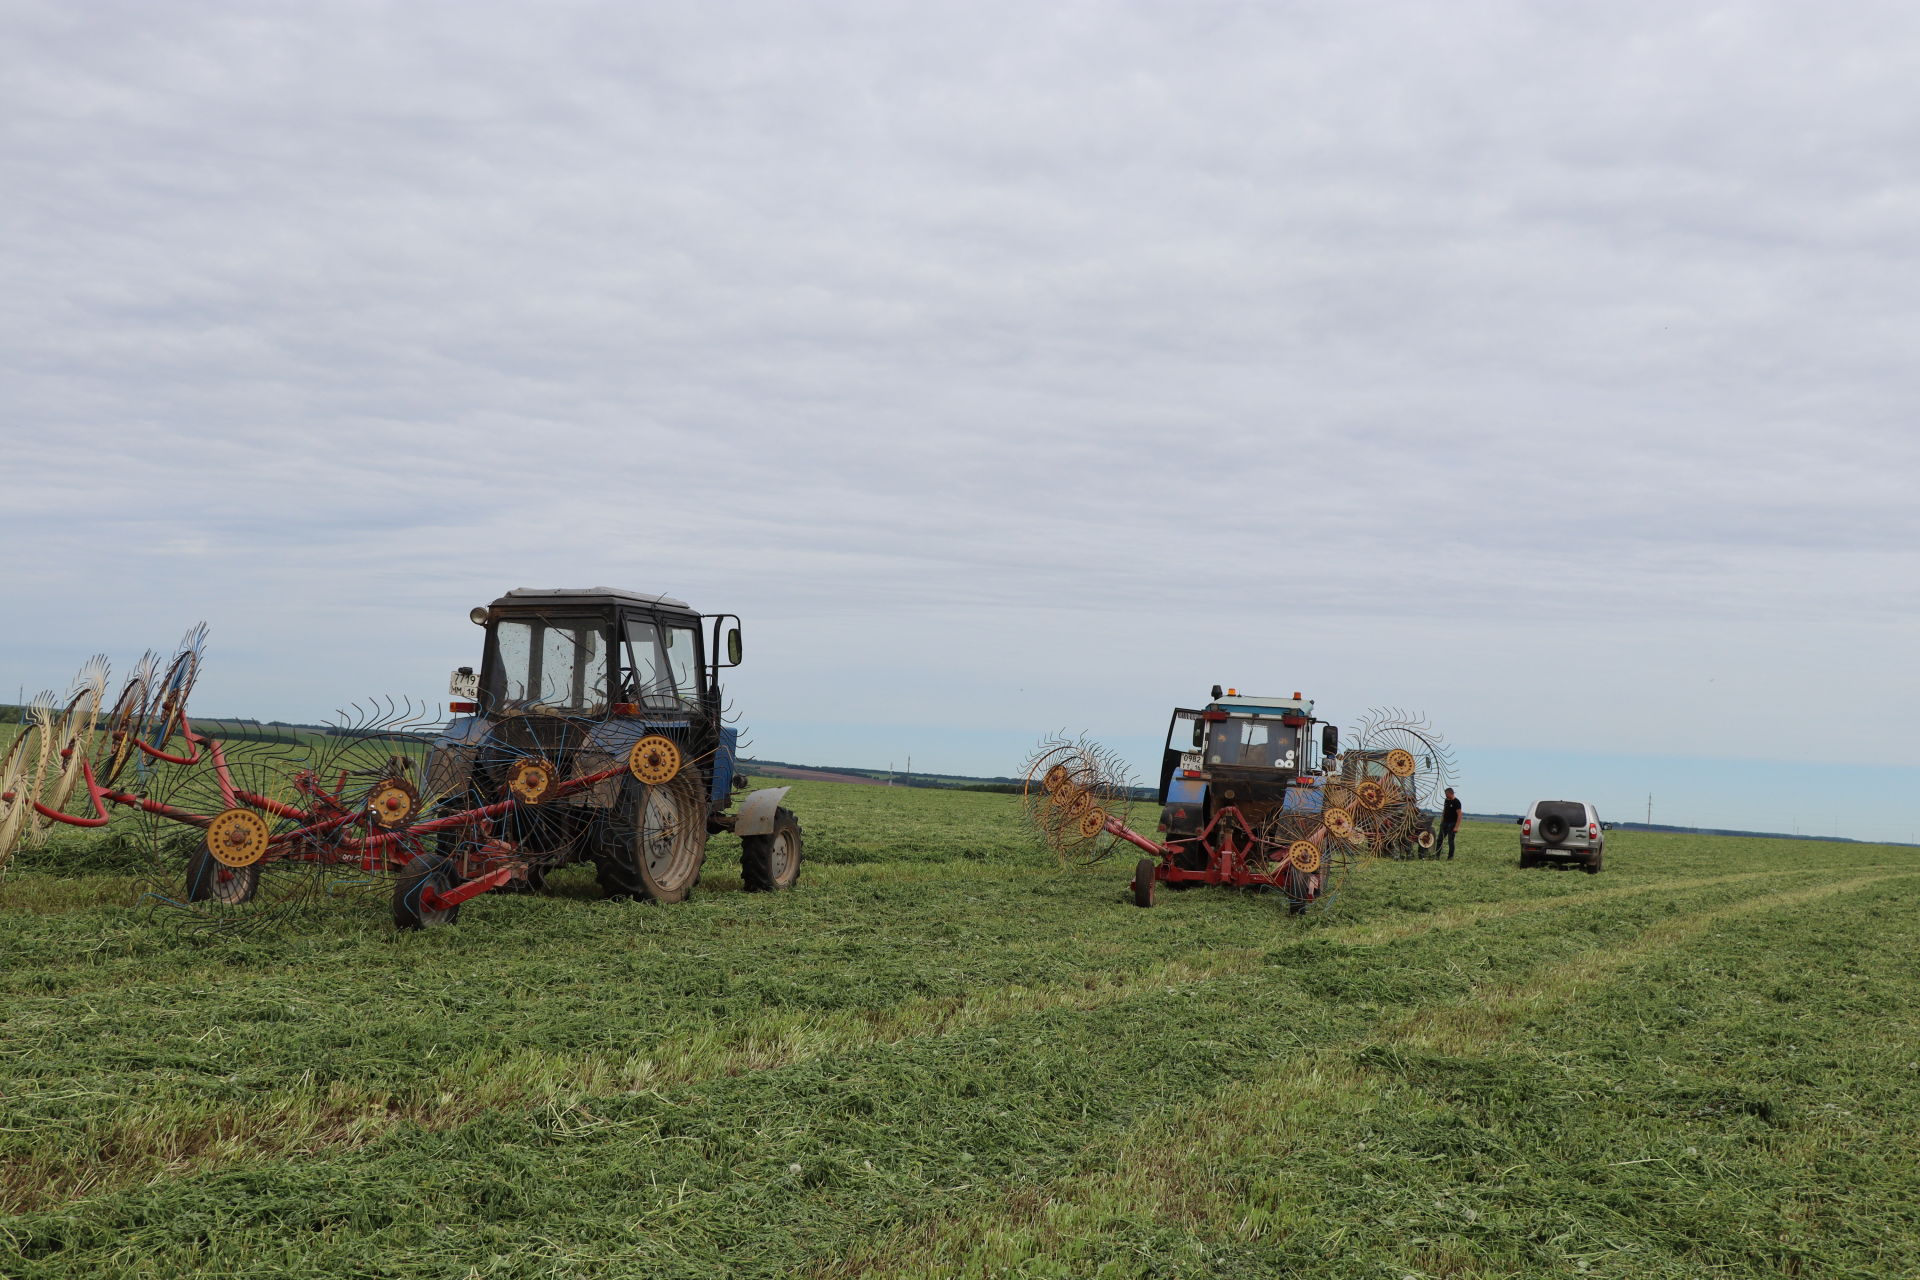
x,y
593,731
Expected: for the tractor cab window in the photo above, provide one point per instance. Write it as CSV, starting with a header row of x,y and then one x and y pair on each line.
x,y
662,672
1253,744
1186,734
550,663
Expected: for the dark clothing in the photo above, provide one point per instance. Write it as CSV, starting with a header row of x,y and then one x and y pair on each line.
x,y
1449,825
1447,836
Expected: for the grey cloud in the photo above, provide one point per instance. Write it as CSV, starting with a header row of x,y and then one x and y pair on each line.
x,y
1463,356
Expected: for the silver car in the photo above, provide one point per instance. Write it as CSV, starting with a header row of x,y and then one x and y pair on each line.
x,y
1562,833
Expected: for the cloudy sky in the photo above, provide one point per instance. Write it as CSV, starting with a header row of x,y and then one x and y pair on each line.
x,y
1549,369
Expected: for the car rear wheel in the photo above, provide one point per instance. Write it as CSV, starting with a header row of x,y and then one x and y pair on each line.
x,y
1593,863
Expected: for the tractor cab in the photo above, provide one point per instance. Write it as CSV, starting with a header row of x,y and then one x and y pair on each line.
x,y
1244,750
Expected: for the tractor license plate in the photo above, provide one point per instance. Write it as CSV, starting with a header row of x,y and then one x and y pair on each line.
x,y
1192,759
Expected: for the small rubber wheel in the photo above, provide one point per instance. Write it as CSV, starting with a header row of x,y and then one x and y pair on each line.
x,y
1143,883
427,870
771,862
211,880
1593,864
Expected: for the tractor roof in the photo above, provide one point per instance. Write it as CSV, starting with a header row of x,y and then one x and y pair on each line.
x,y
524,596
1251,704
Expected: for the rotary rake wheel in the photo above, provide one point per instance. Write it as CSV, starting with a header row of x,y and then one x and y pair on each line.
x,y
1311,862
227,850
1074,788
1395,767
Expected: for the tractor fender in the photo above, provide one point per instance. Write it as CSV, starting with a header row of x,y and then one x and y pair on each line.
x,y
757,810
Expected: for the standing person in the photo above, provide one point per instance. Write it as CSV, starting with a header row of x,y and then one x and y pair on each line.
x,y
1449,824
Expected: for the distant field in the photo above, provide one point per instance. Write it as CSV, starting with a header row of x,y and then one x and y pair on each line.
x,y
943,1056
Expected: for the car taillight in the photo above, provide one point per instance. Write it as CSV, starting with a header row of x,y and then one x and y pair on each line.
x,y
1526,827
463,708
1593,831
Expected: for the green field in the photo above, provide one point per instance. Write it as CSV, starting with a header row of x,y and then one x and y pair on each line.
x,y
943,1056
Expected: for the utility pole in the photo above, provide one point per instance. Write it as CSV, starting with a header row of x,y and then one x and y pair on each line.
x,y
1649,808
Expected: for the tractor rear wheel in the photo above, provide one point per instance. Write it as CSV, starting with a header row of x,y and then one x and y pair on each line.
x,y
211,880
428,871
656,844
772,861
1143,883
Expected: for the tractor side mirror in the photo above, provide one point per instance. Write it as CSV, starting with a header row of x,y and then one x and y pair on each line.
x,y
1518,821
1216,693
1330,740
733,645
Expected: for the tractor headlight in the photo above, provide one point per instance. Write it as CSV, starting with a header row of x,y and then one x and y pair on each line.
x,y
479,615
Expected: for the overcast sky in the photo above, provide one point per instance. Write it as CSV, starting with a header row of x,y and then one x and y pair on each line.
x,y
1549,369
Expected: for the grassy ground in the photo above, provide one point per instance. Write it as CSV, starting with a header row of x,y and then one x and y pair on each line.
x,y
941,1056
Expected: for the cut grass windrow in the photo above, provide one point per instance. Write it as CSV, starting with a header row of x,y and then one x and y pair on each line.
x,y
174,1135
1188,1173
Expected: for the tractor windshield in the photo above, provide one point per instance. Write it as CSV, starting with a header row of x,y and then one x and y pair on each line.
x,y
1253,744
550,664
662,667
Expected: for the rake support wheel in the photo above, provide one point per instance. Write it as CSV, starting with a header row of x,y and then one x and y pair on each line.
x,y
1143,883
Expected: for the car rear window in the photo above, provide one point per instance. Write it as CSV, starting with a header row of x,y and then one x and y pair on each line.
x,y
1572,812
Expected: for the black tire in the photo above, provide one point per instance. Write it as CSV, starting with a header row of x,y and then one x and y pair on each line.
x,y
1298,887
211,880
1528,860
655,846
1554,828
1143,883
771,862
1593,863
427,870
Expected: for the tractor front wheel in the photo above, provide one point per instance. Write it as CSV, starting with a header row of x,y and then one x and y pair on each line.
x,y
772,861
428,871
1143,883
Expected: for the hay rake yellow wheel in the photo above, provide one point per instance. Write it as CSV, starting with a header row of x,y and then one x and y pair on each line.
x,y
531,780
238,837
1074,788
20,768
66,751
1305,856
123,727
1371,795
654,760
394,803
1400,763
1339,823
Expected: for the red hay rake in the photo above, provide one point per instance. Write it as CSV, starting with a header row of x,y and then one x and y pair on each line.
x,y
268,799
